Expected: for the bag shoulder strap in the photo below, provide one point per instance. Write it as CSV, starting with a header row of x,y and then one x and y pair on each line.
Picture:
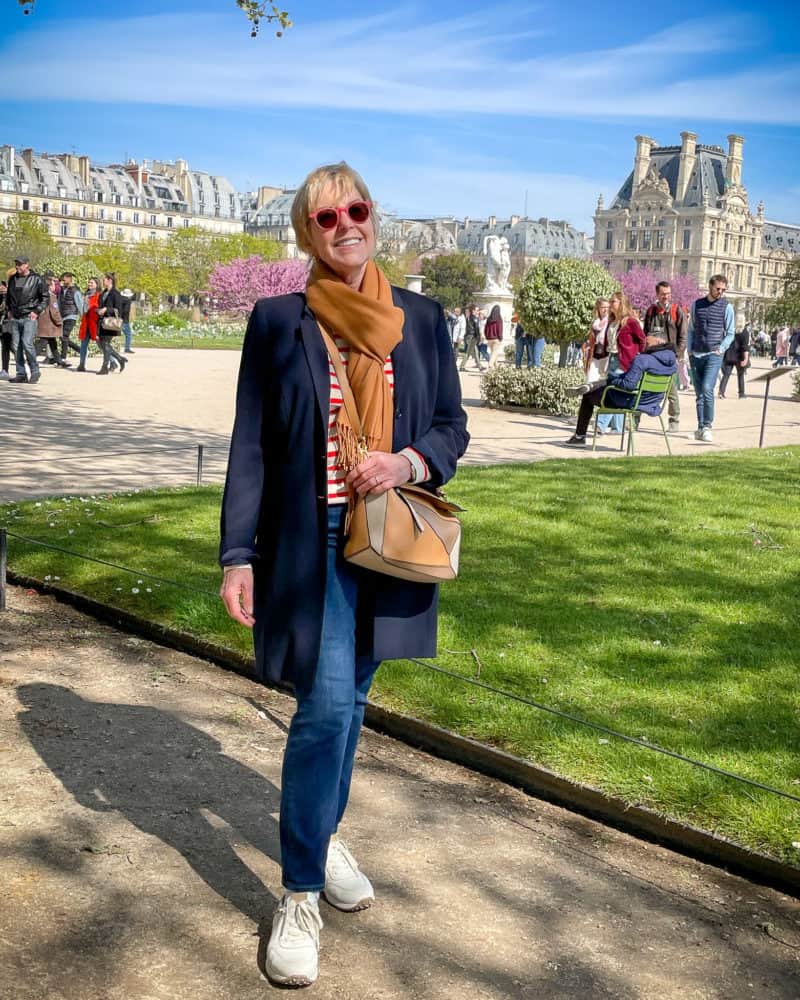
x,y
344,382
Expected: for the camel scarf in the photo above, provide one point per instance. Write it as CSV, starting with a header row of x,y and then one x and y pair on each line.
x,y
372,326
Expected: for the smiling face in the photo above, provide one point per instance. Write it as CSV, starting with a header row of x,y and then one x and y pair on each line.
x,y
349,245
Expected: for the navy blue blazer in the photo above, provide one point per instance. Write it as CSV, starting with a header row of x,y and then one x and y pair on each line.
x,y
274,509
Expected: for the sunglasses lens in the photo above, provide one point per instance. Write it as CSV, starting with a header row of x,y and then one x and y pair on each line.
x,y
327,218
358,211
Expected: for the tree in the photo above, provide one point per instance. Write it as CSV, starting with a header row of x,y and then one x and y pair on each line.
x,y
556,299
76,264
237,285
451,279
785,310
639,285
24,235
395,268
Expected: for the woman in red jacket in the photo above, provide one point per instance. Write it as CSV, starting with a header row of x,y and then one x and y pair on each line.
x,y
624,340
89,319
493,333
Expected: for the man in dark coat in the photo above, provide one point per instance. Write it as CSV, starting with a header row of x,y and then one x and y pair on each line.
x,y
658,358
668,315
736,357
26,299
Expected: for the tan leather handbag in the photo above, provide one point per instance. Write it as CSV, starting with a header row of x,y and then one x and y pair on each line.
x,y
406,532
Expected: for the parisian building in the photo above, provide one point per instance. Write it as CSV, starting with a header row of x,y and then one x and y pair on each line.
x,y
82,203
685,210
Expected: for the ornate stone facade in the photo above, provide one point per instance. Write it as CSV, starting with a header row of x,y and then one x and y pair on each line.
x,y
82,203
684,210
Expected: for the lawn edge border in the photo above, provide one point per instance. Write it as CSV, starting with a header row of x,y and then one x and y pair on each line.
x,y
534,780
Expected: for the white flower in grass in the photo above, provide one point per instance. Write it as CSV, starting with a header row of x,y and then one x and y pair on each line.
x,y
134,590
149,590
37,505
117,588
140,581
56,577
48,577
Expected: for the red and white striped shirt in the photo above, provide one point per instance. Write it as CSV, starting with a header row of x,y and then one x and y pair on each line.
x,y
337,488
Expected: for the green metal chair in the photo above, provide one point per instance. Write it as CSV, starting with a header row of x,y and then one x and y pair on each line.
x,y
647,383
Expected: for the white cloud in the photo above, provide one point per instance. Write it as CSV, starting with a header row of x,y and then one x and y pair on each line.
x,y
397,63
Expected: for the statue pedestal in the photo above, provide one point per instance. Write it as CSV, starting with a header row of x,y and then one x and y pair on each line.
x,y
486,300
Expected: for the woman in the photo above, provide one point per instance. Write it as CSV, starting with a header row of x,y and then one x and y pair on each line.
x,y
89,320
736,357
49,327
624,340
595,358
294,458
493,334
5,334
110,304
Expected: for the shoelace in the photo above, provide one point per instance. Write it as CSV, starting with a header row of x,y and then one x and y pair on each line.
x,y
340,860
299,920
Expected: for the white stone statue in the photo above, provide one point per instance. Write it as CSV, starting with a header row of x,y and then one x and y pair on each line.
x,y
498,265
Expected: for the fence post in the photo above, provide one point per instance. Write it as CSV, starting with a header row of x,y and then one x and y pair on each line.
x,y
199,464
3,564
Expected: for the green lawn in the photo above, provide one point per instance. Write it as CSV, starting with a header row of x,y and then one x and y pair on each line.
x,y
657,597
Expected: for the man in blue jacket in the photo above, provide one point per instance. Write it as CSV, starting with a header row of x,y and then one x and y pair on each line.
x,y
658,358
712,326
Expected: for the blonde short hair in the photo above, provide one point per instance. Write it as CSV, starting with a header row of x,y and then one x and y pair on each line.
x,y
342,178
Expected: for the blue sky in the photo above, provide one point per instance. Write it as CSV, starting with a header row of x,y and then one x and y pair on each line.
x,y
446,108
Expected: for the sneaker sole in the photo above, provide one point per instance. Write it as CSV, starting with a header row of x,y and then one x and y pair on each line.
x,y
362,904
290,982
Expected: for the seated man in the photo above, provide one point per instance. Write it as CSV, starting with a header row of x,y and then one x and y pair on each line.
x,y
658,358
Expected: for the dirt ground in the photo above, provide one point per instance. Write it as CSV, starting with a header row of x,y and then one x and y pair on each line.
x,y
138,855
82,434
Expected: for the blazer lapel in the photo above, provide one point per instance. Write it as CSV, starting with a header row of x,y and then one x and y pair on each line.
x,y
317,358
401,357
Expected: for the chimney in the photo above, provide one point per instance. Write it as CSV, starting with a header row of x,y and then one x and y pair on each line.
x,y
492,222
642,162
266,194
514,220
27,158
466,222
83,170
134,171
687,162
733,170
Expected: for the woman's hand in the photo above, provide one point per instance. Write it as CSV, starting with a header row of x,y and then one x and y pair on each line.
x,y
101,312
380,471
237,595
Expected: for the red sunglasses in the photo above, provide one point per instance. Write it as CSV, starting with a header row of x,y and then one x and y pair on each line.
x,y
328,218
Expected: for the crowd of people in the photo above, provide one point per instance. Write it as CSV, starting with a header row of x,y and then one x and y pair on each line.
x,y
478,336
39,315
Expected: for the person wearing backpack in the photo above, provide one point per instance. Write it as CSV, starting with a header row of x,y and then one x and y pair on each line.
x,y
668,316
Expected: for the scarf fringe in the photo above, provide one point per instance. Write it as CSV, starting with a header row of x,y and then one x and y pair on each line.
x,y
353,449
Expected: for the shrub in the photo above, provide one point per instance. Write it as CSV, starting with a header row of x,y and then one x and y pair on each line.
x,y
796,380
167,321
539,388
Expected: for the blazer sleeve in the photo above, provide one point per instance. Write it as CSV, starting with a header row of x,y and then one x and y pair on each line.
x,y
446,440
244,483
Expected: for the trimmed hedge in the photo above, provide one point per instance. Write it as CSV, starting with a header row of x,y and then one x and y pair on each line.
x,y
538,388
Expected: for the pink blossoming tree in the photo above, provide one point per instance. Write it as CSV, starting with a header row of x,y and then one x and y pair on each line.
x,y
640,287
237,286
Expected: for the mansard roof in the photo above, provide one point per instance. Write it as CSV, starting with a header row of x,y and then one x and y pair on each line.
x,y
706,182
781,236
526,237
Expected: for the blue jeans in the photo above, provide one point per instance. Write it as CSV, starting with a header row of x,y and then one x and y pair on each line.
x,y
84,350
611,421
128,334
23,334
538,351
524,348
705,369
323,735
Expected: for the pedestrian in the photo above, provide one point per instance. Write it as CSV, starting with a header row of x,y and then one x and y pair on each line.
x,y
459,330
471,339
109,309
523,344
70,305
493,334
737,358
794,347
319,621
89,320
50,324
5,334
26,300
667,315
710,334
595,349
782,339
483,346
127,331
624,340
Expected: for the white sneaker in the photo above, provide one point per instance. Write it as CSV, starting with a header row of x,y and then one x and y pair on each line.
x,y
346,886
293,949
706,435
